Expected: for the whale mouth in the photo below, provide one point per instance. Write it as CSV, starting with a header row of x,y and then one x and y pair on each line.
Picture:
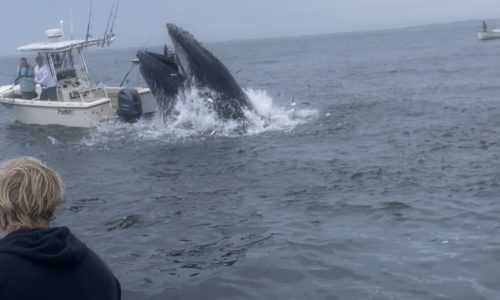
x,y
157,69
162,76
150,58
156,66
185,47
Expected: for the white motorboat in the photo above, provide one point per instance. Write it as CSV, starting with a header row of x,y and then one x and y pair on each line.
x,y
80,102
486,34
489,35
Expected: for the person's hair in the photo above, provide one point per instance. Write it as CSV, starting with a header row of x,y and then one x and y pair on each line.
x,y
30,193
23,59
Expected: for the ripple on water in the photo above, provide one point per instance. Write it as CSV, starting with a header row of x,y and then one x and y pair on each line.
x,y
123,223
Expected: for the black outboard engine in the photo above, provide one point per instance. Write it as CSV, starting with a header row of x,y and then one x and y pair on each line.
x,y
129,105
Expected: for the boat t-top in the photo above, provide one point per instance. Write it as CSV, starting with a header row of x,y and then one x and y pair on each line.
x,y
80,103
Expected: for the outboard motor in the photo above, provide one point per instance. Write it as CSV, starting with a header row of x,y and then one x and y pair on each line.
x,y
129,105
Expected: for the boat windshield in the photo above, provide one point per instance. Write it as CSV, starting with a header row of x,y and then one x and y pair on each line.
x,y
67,64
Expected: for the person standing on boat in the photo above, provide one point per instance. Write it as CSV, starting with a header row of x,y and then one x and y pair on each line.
x,y
26,79
38,261
44,78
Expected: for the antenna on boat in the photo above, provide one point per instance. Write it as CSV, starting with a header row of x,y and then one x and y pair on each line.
x,y
90,19
61,23
71,19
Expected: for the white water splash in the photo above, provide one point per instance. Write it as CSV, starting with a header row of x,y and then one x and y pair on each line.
x,y
53,140
193,117
270,117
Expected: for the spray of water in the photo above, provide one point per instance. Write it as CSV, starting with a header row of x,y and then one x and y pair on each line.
x,y
193,116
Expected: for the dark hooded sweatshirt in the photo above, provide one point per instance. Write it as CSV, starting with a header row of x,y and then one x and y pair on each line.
x,y
52,264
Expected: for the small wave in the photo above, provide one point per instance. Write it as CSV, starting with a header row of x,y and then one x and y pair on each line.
x,y
192,116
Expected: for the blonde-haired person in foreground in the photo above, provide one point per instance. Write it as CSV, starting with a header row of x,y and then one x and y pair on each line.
x,y
38,261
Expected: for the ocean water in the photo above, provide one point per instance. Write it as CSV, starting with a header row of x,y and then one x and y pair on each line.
x,y
382,182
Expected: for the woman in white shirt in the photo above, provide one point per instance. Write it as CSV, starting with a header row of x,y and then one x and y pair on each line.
x,y
44,78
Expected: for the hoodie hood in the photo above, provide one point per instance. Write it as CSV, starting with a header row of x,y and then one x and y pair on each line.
x,y
53,246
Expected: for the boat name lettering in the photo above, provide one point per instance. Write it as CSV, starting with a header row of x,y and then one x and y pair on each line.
x,y
65,112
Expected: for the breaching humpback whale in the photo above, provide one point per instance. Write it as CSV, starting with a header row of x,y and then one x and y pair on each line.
x,y
163,77
192,66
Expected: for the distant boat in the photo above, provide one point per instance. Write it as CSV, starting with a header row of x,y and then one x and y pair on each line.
x,y
486,34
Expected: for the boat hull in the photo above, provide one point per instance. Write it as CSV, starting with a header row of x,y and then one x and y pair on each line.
x,y
83,115
71,114
488,35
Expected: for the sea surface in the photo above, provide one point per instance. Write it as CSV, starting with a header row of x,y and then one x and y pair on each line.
x,y
382,182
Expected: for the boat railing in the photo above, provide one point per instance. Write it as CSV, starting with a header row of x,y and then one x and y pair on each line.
x,y
89,94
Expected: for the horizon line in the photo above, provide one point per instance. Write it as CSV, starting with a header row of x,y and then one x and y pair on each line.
x,y
291,36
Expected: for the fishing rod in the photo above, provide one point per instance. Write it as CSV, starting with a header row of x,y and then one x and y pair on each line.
x,y
109,22
109,17
135,61
90,19
114,19
127,74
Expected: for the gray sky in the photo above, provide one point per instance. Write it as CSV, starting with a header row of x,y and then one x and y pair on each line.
x,y
142,22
